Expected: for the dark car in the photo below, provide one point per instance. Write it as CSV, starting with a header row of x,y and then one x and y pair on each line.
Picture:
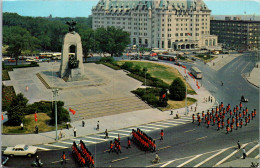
x,y
193,59
4,159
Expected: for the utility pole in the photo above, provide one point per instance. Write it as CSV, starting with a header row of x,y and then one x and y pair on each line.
x,y
55,94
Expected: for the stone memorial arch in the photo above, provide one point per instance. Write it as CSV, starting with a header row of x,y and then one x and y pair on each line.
x,y
72,55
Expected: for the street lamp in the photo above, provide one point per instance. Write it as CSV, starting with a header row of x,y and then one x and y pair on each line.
x,y
55,94
186,110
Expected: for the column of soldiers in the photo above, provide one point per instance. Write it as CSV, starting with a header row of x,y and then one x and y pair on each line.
x,y
234,118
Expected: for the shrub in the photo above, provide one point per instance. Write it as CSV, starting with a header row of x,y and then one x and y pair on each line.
x,y
127,65
107,59
151,99
177,90
42,107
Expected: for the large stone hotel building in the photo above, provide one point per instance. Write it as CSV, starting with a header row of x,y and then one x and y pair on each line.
x,y
163,24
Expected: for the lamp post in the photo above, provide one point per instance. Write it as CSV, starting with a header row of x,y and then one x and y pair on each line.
x,y
186,110
55,94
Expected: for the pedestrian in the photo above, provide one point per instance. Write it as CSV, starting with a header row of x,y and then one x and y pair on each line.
x,y
83,123
238,144
67,125
203,115
211,99
61,134
206,119
97,126
106,134
75,131
128,143
171,112
252,114
111,147
195,108
36,129
193,118
63,157
244,153
21,126
161,135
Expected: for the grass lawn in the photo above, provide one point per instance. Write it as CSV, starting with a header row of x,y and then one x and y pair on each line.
x,y
206,58
178,104
163,72
29,125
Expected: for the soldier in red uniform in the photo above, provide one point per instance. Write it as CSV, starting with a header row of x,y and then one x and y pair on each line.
x,y
111,147
218,125
208,123
223,123
254,112
228,121
233,120
199,120
161,135
128,143
203,115
231,126
237,125
244,113
230,113
249,117
227,128
241,123
246,120
214,120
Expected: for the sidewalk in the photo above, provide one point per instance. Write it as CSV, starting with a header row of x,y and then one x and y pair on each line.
x,y
221,60
254,77
123,120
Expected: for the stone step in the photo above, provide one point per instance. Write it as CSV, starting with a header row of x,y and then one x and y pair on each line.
x,y
43,81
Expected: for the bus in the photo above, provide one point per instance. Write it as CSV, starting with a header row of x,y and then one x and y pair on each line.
x,y
196,72
167,57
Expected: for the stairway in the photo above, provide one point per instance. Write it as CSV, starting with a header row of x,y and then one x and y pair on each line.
x,y
43,81
106,107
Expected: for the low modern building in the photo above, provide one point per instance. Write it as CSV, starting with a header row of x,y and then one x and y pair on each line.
x,y
236,33
163,24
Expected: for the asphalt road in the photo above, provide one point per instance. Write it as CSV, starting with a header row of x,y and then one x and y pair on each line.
x,y
181,141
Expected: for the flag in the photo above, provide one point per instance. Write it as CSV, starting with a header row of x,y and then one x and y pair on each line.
x,y
2,116
189,34
163,96
198,87
185,70
35,117
72,111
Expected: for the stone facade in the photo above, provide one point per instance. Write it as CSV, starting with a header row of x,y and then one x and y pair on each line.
x,y
71,39
156,23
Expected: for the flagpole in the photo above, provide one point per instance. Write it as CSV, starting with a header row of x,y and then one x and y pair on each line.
x,y
55,94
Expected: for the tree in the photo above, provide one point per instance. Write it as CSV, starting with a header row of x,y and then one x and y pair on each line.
x,y
18,39
17,109
177,90
112,40
88,41
62,114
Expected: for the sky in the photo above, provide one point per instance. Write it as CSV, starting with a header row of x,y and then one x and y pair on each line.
x,y
82,8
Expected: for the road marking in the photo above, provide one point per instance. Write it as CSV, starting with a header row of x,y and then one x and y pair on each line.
x,y
189,130
202,138
119,159
147,130
188,161
168,123
125,131
179,122
108,136
158,125
227,157
251,150
43,148
56,146
96,138
59,161
164,148
84,140
118,133
66,142
148,127
245,67
201,163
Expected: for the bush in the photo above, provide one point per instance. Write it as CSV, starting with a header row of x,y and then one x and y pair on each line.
x,y
107,59
62,114
177,90
127,65
40,107
151,99
8,94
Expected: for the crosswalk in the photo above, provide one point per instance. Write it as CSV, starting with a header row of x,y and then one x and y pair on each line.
x,y
99,138
213,158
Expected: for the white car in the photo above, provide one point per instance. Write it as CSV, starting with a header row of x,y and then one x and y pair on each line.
x,y
30,60
20,150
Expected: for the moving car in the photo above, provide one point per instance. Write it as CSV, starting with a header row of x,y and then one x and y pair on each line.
x,y
4,159
243,99
20,150
178,63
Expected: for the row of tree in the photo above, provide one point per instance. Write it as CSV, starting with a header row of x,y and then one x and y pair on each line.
x,y
31,35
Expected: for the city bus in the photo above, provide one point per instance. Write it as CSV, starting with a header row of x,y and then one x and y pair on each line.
x,y
167,57
196,72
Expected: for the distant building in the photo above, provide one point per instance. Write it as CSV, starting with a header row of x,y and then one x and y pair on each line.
x,y
237,33
163,24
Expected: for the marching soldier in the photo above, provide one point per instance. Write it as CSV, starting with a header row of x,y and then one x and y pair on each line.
x,y
227,128
203,115
240,115
218,125
223,123
208,123
214,120
231,126
246,120
241,123
252,114
237,125
128,143
199,120
111,146
161,135
249,117
228,122
236,107
233,119
244,113
223,117
240,105
206,119
230,112
224,111
193,118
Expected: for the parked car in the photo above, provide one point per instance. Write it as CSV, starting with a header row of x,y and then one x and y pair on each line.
x,y
20,150
30,60
4,159
12,60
